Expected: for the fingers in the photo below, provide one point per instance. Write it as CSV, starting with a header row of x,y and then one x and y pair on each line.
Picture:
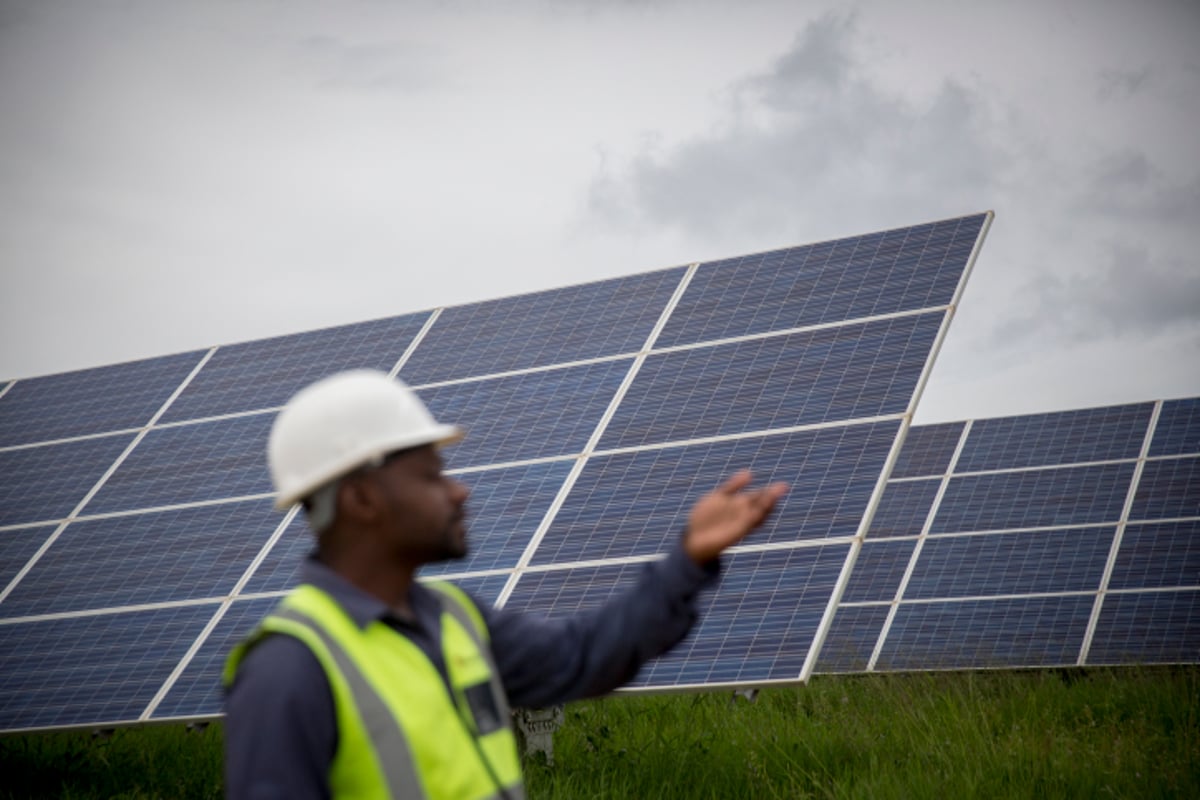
x,y
728,514
768,495
735,482
775,492
763,501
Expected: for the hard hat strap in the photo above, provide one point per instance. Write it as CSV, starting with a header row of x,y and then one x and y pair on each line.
x,y
321,506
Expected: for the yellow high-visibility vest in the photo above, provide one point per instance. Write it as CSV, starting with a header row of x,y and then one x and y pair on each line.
x,y
401,734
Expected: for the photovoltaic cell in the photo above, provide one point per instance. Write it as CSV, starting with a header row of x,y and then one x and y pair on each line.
x,y
1178,430
851,639
904,507
1039,440
760,624
47,482
533,330
1148,628
927,450
93,669
880,273
182,554
190,463
1066,560
526,416
636,503
1035,498
878,570
800,379
90,401
265,373
16,548
758,627
563,592
483,589
280,569
1168,488
198,692
984,634
1162,554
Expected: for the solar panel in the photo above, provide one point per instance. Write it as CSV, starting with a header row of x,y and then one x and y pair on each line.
x,y
137,537
180,554
89,401
48,482
1058,539
265,373
92,669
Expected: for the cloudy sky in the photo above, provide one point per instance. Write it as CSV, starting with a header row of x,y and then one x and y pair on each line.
x,y
177,175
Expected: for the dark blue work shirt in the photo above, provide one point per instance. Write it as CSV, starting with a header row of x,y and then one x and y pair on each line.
x,y
280,724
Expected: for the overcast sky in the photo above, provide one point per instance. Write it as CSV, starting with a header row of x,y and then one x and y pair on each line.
x,y
175,175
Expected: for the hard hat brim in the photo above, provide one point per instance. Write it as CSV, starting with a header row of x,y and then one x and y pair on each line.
x,y
438,435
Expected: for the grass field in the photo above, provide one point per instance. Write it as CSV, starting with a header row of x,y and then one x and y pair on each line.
x,y
1107,733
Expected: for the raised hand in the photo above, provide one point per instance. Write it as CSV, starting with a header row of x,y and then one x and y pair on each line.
x,y
724,516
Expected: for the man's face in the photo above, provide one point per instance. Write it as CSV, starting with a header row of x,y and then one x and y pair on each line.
x,y
426,509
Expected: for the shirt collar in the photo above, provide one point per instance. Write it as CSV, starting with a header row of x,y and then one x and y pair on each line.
x,y
362,607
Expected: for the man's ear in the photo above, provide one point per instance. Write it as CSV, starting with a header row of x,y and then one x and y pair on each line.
x,y
359,501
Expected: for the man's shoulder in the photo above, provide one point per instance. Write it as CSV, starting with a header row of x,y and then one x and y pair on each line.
x,y
279,663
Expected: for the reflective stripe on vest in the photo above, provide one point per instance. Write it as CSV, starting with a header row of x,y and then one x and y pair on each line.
x,y
400,733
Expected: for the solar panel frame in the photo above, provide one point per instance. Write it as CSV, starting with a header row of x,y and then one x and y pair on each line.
x,y
471,340
50,482
97,563
195,693
1150,635
264,373
522,416
798,385
987,633
1085,436
1177,432
1143,544
927,450
18,546
608,511
855,542
40,693
92,401
127,487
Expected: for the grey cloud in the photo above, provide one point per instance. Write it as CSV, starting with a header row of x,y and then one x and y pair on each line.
x,y
1128,290
1116,84
14,13
1122,171
819,59
387,65
1128,186
806,145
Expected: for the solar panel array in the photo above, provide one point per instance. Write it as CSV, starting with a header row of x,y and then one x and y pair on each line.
x,y
137,540
1069,538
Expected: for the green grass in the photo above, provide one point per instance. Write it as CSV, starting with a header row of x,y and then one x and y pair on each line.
x,y
1119,733
167,761
1104,734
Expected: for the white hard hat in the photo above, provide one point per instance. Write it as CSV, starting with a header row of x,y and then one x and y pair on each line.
x,y
342,422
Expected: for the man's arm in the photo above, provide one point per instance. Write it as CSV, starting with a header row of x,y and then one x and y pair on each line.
x,y
280,730
544,662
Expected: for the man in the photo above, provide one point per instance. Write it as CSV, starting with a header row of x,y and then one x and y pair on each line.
x,y
366,683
